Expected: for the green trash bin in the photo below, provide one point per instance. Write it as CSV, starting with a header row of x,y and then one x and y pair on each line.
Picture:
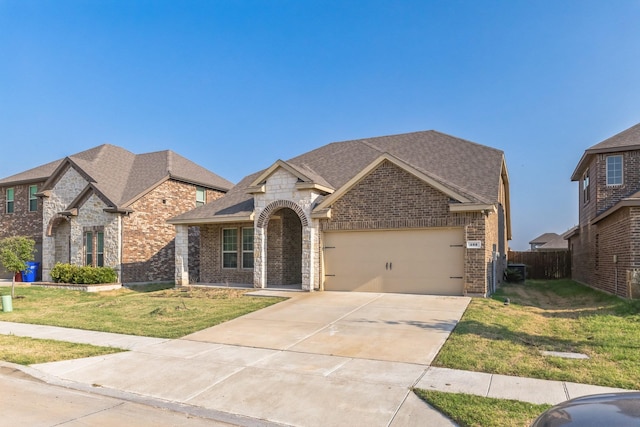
x,y
7,305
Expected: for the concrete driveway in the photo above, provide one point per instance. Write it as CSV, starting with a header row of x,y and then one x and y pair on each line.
x,y
319,359
391,327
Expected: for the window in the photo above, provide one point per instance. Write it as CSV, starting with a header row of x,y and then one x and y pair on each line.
x,y
99,249
585,187
229,248
9,200
201,196
614,170
33,200
94,248
88,248
247,247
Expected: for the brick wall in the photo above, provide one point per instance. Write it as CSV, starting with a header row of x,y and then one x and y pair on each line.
x,y
594,247
211,270
148,241
275,251
613,239
284,252
391,198
608,196
21,222
291,248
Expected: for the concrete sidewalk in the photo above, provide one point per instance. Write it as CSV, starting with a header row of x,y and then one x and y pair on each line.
x,y
274,386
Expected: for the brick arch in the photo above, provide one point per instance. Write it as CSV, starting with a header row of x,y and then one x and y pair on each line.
x,y
54,222
263,219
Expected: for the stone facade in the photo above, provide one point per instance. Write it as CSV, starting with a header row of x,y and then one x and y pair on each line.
x,y
64,235
138,245
281,194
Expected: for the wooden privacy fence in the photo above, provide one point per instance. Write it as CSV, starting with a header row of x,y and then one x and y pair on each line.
x,y
543,265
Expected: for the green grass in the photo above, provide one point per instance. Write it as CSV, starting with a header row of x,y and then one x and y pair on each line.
x,y
154,311
471,411
27,351
549,315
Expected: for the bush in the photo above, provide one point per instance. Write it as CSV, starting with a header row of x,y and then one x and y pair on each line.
x,y
513,275
67,273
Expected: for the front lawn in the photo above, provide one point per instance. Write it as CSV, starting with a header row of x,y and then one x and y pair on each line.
x,y
477,411
549,315
154,311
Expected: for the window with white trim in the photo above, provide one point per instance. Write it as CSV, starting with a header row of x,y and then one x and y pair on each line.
x,y
229,248
247,247
614,170
10,202
201,196
585,187
33,200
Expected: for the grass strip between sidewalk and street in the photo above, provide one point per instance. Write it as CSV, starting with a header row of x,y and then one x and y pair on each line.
x,y
476,411
28,351
158,310
562,316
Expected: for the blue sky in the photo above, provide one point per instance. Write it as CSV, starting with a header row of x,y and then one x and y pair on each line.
x,y
235,85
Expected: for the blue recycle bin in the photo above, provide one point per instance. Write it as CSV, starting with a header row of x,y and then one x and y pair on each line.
x,y
31,272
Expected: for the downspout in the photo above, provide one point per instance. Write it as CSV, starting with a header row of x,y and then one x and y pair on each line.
x,y
120,244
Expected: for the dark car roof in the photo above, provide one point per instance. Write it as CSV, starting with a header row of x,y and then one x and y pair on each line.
x,y
597,410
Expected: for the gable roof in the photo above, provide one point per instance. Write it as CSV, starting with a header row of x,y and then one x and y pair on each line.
x,y
556,243
122,177
460,167
544,238
37,174
550,241
628,139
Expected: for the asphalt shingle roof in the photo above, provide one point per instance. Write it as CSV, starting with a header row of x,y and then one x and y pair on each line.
x,y
466,167
544,238
628,139
122,176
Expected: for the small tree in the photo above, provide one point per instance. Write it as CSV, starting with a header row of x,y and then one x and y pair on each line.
x,y
14,254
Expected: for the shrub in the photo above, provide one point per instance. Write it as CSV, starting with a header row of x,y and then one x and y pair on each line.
x,y
67,273
513,275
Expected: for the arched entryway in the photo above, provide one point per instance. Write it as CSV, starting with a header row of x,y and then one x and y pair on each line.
x,y
283,223
60,229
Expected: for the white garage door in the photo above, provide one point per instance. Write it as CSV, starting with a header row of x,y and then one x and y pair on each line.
x,y
407,261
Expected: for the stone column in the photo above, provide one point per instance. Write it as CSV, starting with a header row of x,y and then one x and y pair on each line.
x,y
259,257
182,255
48,256
310,258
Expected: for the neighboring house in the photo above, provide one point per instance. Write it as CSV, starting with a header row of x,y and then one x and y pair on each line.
x,y
421,212
605,245
108,207
549,242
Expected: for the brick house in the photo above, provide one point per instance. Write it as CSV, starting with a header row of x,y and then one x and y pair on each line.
x,y
108,207
605,246
422,212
